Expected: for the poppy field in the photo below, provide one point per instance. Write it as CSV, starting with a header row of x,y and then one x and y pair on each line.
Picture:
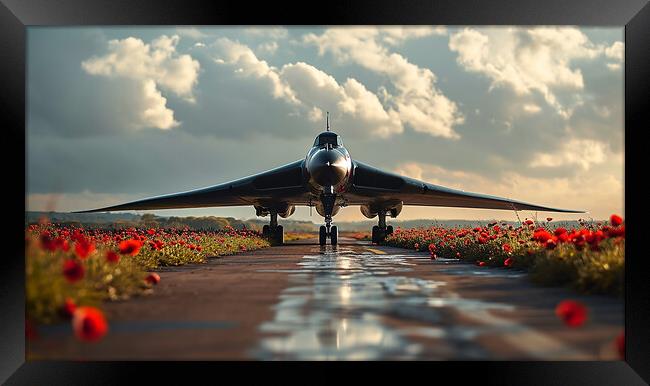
x,y
70,271
589,258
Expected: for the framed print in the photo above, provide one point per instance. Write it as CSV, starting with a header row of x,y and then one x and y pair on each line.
x,y
425,184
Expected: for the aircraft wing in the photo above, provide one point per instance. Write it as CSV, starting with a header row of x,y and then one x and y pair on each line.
x,y
282,184
374,186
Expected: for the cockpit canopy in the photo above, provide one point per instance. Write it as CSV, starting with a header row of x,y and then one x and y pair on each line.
x,y
328,137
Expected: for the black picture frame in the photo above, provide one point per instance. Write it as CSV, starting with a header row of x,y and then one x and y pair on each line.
x,y
16,15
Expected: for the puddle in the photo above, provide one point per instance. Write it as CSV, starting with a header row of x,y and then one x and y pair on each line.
x,y
337,301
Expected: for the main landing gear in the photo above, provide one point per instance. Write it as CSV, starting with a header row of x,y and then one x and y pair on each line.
x,y
379,232
274,232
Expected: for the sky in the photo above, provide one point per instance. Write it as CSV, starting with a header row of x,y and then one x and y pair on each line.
x,y
530,113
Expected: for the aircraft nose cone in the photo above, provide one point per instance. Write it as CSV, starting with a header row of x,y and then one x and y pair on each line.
x,y
327,167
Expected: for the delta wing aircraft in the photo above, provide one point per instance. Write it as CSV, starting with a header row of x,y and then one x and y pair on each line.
x,y
328,179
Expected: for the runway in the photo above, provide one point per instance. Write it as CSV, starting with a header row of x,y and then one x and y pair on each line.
x,y
356,301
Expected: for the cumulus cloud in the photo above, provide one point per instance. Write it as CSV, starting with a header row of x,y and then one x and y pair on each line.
x,y
309,89
415,98
152,67
616,52
529,60
581,152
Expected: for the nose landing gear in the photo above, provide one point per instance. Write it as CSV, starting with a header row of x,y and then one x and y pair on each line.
x,y
328,199
274,232
328,230
381,231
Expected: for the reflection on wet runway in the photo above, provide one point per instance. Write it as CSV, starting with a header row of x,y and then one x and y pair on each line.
x,y
338,303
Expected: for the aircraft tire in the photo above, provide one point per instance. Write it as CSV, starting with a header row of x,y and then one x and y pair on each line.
x,y
375,234
322,235
265,231
334,235
279,235
389,230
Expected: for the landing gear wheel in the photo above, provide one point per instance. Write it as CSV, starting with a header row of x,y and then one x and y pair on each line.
x,y
389,230
375,234
322,235
334,235
278,235
266,231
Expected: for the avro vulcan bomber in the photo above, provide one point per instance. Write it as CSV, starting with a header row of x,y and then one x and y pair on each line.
x,y
327,179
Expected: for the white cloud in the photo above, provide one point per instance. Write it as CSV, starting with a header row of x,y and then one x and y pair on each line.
x,y
246,64
310,89
154,110
416,99
581,152
150,66
396,35
616,51
528,60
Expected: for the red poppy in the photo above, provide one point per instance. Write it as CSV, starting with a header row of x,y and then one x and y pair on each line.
x,y
481,263
83,247
151,232
89,324
152,278
528,222
542,235
112,257
508,262
620,344
506,248
68,308
62,243
73,270
572,313
616,220
130,247
47,243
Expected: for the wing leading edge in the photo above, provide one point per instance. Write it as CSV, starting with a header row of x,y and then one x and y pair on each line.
x,y
374,186
282,184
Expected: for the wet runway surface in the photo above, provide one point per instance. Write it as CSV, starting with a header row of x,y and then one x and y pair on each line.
x,y
352,302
